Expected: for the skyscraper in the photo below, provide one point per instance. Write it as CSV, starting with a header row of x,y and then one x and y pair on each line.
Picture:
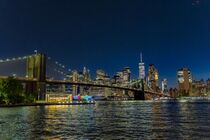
x,y
86,74
153,77
164,85
141,68
126,74
100,75
184,81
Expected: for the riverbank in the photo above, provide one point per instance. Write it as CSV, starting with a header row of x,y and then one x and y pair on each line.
x,y
46,104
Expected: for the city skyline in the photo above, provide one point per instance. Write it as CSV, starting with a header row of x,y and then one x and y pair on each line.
x,y
110,35
104,69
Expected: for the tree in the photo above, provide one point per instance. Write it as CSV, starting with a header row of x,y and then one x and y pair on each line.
x,y
11,91
2,94
2,98
29,97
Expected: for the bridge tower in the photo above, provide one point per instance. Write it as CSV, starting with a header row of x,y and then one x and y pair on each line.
x,y
36,70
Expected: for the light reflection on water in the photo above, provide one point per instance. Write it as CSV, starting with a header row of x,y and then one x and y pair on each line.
x,y
108,120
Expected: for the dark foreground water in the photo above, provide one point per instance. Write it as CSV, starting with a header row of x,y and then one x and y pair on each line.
x,y
107,120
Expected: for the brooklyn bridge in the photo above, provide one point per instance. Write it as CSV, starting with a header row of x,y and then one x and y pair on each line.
x,y
38,72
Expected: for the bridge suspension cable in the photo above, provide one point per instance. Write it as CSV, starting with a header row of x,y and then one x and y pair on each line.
x,y
56,70
15,66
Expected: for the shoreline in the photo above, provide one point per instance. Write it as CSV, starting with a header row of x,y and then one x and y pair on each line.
x,y
45,104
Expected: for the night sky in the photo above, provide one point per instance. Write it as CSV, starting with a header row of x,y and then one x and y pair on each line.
x,y
110,34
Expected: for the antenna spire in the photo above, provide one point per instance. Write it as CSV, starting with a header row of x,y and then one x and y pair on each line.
x,y
141,57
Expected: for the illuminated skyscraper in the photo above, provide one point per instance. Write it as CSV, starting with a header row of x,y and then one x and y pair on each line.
x,y
184,80
153,77
126,74
100,75
86,74
141,68
164,85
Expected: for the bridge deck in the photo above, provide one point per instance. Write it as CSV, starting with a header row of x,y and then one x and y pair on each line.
x,y
22,79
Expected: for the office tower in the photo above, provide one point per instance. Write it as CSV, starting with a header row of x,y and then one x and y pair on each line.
x,y
184,81
164,86
141,68
126,74
153,77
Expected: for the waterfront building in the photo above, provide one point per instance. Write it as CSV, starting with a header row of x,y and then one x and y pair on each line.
x,y
184,81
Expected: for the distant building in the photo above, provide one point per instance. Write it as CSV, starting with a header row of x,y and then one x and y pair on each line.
x,y
101,78
115,79
208,82
100,75
122,77
208,87
86,74
75,76
184,81
126,74
141,69
153,77
164,86
199,88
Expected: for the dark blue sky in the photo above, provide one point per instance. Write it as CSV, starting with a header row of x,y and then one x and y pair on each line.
x,y
110,34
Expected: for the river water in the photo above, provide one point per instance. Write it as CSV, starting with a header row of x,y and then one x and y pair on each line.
x,y
107,120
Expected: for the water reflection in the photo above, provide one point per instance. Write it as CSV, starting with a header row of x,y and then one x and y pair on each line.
x,y
165,120
107,120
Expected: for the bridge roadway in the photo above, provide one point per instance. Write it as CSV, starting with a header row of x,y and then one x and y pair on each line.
x,y
102,85
61,82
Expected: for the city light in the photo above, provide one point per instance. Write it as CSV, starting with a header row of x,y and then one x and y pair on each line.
x,y
120,80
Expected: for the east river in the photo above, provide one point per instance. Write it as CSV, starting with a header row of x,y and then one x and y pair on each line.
x,y
107,120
